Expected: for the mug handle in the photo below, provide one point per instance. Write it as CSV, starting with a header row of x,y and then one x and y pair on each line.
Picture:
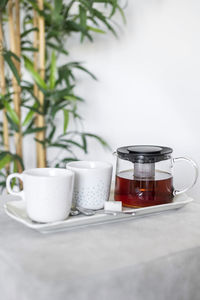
x,y
8,185
194,165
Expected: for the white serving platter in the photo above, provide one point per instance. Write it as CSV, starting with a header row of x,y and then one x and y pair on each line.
x,y
16,209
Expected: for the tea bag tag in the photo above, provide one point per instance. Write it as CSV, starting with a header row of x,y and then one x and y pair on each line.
x,y
113,205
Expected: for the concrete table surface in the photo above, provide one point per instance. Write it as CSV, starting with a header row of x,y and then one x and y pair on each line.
x,y
154,257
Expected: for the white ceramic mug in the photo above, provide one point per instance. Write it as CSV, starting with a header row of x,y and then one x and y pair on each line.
x,y
92,183
46,191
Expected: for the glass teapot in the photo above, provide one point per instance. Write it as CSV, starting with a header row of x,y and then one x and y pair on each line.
x,y
144,175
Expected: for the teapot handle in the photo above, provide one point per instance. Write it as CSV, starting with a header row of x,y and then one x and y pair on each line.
x,y
194,165
114,153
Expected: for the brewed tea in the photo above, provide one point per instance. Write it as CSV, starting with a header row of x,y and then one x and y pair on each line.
x,y
142,192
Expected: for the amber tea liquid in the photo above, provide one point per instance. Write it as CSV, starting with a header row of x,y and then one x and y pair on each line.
x,y
139,192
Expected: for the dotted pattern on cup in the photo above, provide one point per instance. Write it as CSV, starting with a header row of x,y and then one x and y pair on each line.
x,y
91,197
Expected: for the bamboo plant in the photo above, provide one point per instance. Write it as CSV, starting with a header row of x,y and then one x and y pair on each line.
x,y
33,104
5,132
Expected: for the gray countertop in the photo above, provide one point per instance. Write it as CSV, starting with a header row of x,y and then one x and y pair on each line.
x,y
154,257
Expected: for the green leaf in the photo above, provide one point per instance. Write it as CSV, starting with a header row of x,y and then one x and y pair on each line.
x,y
14,55
57,48
58,145
77,65
29,49
67,141
97,30
3,154
84,143
51,134
11,112
40,142
48,5
36,76
114,7
66,119
122,14
86,71
63,162
87,4
73,98
15,167
14,180
73,26
103,19
26,32
3,4
98,138
68,159
83,20
30,115
59,94
33,130
7,56
52,79
32,108
2,175
34,4
12,124
18,158
57,9
5,160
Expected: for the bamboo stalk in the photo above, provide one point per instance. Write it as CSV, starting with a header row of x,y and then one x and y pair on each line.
x,y
35,88
17,35
41,151
3,91
14,30
35,45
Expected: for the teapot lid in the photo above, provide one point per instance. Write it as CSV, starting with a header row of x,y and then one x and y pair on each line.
x,y
144,153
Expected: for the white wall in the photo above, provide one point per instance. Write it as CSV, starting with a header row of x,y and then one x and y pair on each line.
x,y
149,81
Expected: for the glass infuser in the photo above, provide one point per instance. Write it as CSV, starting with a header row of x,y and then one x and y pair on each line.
x,y
144,175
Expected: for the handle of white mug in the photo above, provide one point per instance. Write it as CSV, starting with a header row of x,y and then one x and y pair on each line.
x,y
8,184
194,165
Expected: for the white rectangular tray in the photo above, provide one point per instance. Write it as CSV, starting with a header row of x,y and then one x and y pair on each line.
x,y
17,211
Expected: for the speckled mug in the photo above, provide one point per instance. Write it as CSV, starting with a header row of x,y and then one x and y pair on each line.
x,y
92,183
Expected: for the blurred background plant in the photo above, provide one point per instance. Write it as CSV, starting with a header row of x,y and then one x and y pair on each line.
x,y
37,91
